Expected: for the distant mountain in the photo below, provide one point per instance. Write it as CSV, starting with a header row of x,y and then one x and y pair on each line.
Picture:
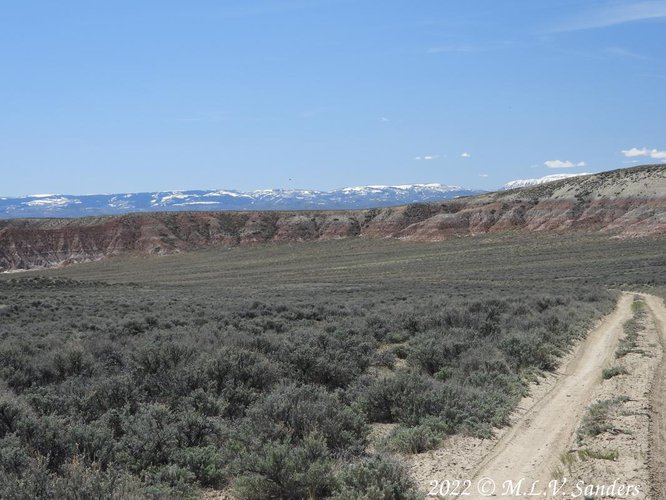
x,y
60,205
520,183
627,203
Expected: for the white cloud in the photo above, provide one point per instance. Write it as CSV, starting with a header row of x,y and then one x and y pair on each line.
x,y
614,14
426,157
650,153
563,164
630,153
622,52
384,119
483,175
466,155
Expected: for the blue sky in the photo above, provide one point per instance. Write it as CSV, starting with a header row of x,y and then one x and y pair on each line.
x,y
141,95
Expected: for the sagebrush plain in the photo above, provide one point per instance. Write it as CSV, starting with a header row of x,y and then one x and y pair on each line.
x,y
260,372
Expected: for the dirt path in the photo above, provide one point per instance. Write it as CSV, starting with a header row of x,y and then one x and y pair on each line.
x,y
532,448
658,406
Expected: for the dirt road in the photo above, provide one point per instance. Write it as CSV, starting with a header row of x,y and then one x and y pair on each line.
x,y
533,447
658,406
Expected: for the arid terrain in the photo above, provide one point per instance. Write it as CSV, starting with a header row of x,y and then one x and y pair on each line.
x,y
624,203
333,250
385,366
380,333
560,439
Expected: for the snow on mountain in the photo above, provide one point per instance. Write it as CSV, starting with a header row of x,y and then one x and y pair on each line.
x,y
542,180
50,201
359,197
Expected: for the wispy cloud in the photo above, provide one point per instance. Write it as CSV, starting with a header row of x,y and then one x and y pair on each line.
x,y
426,157
483,175
626,53
563,164
384,119
454,48
612,14
468,48
644,152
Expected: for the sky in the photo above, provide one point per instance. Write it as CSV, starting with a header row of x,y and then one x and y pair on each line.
x,y
132,96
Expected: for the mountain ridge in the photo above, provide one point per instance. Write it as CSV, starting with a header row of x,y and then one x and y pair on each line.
x,y
349,198
624,203
519,183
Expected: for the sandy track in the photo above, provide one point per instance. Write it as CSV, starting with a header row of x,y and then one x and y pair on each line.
x,y
658,406
532,448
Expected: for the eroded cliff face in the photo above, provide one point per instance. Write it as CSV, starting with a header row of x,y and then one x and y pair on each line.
x,y
626,203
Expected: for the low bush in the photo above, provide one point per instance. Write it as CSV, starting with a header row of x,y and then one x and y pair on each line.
x,y
291,413
632,328
423,437
599,416
282,470
376,478
154,392
613,371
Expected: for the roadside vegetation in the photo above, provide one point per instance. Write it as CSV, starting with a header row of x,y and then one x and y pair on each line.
x,y
268,388
599,417
614,371
632,328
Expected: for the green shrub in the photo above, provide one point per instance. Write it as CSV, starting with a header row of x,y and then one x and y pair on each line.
x,y
150,437
12,411
292,412
331,360
402,398
431,351
426,436
613,371
208,465
240,376
376,478
282,470
14,457
632,327
75,481
598,417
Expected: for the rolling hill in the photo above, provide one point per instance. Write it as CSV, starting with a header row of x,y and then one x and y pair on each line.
x,y
626,203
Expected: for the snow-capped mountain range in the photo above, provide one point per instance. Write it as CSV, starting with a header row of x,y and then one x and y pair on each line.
x,y
60,205
519,183
376,196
